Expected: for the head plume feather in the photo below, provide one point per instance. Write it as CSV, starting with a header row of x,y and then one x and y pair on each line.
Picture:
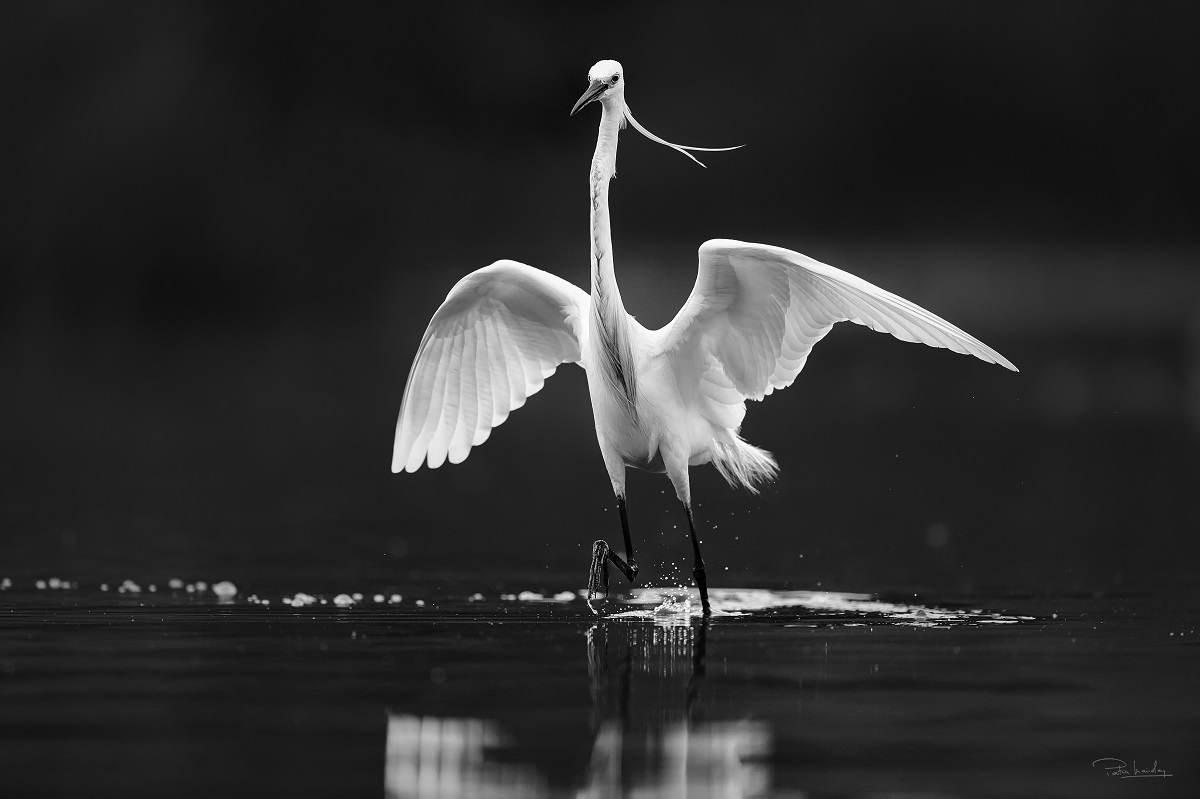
x,y
683,148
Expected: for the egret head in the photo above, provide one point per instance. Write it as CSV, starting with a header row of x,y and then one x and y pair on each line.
x,y
606,79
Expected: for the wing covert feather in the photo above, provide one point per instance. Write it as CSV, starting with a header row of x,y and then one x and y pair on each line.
x,y
500,333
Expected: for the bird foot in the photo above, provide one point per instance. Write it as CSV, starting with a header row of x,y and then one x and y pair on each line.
x,y
598,573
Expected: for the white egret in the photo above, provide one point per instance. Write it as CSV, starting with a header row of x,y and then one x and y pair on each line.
x,y
663,400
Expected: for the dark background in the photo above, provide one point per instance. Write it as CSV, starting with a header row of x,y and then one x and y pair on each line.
x,y
224,226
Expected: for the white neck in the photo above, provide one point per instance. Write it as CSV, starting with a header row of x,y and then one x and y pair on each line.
x,y
604,167
610,323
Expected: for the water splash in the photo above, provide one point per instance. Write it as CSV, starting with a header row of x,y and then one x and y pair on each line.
x,y
665,606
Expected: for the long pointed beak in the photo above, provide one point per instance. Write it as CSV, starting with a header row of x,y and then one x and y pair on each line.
x,y
595,90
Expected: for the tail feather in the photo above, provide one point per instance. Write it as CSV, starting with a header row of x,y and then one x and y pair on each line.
x,y
744,465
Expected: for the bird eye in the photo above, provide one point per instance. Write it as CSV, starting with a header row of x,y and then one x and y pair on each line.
x,y
613,79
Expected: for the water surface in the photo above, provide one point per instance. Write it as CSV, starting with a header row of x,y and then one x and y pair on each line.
x,y
780,693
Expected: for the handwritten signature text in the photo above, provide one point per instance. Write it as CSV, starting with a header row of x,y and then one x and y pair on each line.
x,y
1116,767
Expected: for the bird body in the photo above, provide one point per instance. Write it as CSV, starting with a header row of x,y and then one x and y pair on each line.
x,y
663,400
647,399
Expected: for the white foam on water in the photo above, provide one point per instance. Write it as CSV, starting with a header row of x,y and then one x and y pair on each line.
x,y
225,589
660,604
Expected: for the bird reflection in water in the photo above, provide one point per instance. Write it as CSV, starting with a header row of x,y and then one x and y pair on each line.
x,y
646,682
431,757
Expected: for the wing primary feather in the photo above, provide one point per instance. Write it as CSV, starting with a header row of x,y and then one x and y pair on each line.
x,y
487,408
516,372
468,409
439,439
414,406
501,388
429,420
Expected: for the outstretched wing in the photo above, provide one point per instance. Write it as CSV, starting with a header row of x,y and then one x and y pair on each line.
x,y
500,333
758,310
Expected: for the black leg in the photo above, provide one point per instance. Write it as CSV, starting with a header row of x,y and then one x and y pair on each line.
x,y
602,554
632,572
698,570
